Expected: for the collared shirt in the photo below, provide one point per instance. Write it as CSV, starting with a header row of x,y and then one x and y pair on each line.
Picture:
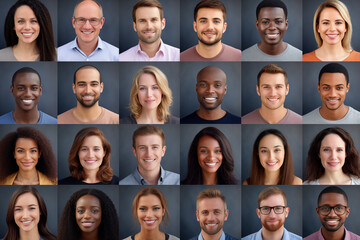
x,y
318,236
103,52
258,236
222,237
165,53
166,178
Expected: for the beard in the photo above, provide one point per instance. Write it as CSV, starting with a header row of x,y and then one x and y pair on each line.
x,y
150,40
212,232
88,104
209,43
273,227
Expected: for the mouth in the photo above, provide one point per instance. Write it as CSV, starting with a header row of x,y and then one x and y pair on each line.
x,y
272,35
332,36
87,32
27,222
27,101
333,164
211,164
90,161
332,222
150,100
88,97
271,164
150,222
210,99
332,101
273,100
149,32
149,160
209,34
27,34
87,224
211,225
27,164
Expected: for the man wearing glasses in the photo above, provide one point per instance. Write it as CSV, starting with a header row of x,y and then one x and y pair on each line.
x,y
87,21
272,211
332,211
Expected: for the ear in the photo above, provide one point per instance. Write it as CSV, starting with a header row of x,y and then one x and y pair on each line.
x,y
74,88
318,88
347,212
225,26
163,23
287,210
163,151
12,90
348,87
226,214
73,22
317,212
134,26
258,212
287,24
225,89
197,216
287,89
257,24
134,151
257,90
101,87
40,90
194,26
102,21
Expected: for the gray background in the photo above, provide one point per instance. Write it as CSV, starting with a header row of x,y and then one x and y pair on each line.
x,y
250,98
170,34
110,28
130,227
190,227
232,98
47,71
232,133
128,161
110,78
292,132
309,9
127,73
250,220
311,222
310,131
311,78
232,35
48,193
67,133
248,26
51,5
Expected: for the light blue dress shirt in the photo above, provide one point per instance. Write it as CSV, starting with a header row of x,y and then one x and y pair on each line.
x,y
287,236
166,178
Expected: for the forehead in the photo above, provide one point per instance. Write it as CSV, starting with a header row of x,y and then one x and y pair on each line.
x,y
211,74
210,204
210,13
149,200
26,199
87,9
207,141
332,199
27,78
333,79
88,200
273,200
332,139
147,78
92,140
20,142
272,79
270,140
330,13
147,12
24,11
271,13
87,75
151,139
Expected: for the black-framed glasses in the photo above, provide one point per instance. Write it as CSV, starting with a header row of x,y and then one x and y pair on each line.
x,y
265,210
338,209
80,21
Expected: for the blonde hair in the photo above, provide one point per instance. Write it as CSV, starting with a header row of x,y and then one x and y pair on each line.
x,y
342,9
163,110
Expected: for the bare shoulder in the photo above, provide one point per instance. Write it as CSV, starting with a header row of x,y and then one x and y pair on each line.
x,y
297,181
245,182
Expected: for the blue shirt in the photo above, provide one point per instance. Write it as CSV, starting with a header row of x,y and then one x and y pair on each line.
x,y
222,237
103,52
166,178
287,236
8,118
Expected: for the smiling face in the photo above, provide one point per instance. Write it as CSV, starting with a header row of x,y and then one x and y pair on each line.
x,y
91,153
149,92
332,27
149,24
27,154
88,213
26,26
209,154
209,25
271,153
272,90
332,152
27,212
272,25
26,91
150,212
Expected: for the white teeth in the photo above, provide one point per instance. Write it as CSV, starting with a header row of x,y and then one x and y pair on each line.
x,y
210,164
27,34
27,101
86,32
333,101
210,98
332,35
333,163
272,99
271,164
211,224
87,224
150,160
149,221
90,161
26,222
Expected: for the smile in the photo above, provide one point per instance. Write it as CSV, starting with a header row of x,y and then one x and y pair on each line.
x,y
209,34
27,164
150,101
332,222
27,222
88,97
333,164
273,99
87,33
333,101
211,164
149,222
87,224
210,99
332,36
211,224
90,161
27,101
272,35
27,35
271,163
149,160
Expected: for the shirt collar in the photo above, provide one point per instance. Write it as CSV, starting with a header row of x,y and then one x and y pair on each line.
x,y
222,237
346,237
161,49
142,181
100,44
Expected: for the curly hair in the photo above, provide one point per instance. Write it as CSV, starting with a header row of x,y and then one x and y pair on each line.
x,y
314,169
46,163
105,172
286,176
225,173
13,229
45,41
68,228
163,110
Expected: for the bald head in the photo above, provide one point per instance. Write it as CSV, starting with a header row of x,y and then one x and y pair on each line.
x,y
211,72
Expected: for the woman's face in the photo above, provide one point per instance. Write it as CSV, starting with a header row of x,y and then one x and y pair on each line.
x,y
26,26
271,153
332,26
26,154
209,154
149,92
91,153
88,213
332,152
150,212
27,212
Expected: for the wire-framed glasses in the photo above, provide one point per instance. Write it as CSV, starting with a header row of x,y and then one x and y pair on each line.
x,y
80,21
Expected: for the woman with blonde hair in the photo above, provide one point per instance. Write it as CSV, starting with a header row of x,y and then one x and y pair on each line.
x,y
333,31
150,98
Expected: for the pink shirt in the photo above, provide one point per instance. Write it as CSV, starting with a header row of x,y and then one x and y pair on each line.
x,y
318,236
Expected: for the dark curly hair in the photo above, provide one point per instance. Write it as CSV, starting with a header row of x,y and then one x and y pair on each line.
x,y
68,228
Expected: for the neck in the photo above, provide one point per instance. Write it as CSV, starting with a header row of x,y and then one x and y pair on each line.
x,y
271,178
87,114
149,117
30,235
334,114
209,51
332,178
87,48
275,49
26,117
211,237
27,177
150,48
273,235
213,114
26,51
91,176
89,235
273,116
337,235
150,177
209,178
332,52
150,234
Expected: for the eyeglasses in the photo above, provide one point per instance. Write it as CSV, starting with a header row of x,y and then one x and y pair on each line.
x,y
338,209
277,210
80,21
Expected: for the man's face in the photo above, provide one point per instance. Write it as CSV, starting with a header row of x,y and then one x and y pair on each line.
x,y
211,88
149,151
87,33
26,91
272,222
272,90
148,25
333,90
272,25
209,25
88,87
211,215
333,222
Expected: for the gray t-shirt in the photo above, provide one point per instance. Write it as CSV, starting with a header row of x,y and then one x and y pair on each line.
x,y
255,118
314,117
254,53
7,54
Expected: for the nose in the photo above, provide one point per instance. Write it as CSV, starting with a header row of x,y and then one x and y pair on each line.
x,y
25,213
272,25
91,153
332,212
27,92
27,155
87,214
149,92
210,88
87,24
332,26
272,212
332,92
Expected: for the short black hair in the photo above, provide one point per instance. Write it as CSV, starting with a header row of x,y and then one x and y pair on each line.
x,y
272,4
24,70
87,67
333,189
334,68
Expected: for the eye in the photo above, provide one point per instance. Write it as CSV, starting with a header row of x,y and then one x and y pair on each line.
x,y
156,209
203,151
277,150
205,213
279,86
142,88
97,149
81,84
142,209
81,20
80,211
217,21
326,149
340,150
20,151
266,208
21,21
203,85
278,21
154,20
20,88
34,88
83,149
155,147
265,22
95,211
202,21
17,209
155,87
218,151
34,21
263,151
218,85
340,88
217,212
95,84
34,151
325,88
338,22
325,23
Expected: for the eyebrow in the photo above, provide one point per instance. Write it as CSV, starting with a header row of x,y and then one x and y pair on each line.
x,y
208,147
204,18
93,81
273,146
335,20
324,84
30,205
276,18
